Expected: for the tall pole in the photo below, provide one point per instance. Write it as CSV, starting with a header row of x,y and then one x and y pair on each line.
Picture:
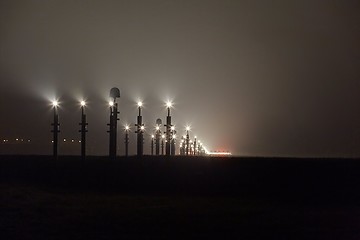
x,y
140,130
152,145
162,144
187,142
195,146
168,133
126,141
83,130
172,143
55,131
114,93
157,140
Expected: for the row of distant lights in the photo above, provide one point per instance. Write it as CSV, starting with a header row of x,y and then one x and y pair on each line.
x,y
55,103
16,140
127,127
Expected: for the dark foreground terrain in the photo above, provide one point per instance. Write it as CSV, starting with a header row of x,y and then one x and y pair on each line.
x,y
179,198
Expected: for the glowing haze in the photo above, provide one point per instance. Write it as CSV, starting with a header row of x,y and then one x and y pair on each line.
x,y
276,78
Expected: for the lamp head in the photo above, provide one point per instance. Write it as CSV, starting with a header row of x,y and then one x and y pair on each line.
x,y
55,103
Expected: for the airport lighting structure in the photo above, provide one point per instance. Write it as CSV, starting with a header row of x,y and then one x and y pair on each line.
x,y
172,140
127,129
157,136
56,129
83,129
195,146
162,144
140,132
152,145
168,129
187,140
114,93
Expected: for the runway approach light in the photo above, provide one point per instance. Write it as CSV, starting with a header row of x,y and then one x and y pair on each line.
x,y
140,132
114,93
83,129
56,129
157,136
168,104
127,128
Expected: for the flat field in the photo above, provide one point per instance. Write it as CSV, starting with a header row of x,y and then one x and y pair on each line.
x,y
179,198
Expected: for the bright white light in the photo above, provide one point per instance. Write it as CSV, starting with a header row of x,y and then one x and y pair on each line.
x,y
188,128
139,104
142,127
172,128
169,104
195,137
157,128
152,136
163,136
174,136
219,153
83,103
111,103
127,127
55,103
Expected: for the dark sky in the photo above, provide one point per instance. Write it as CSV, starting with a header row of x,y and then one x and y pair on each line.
x,y
279,78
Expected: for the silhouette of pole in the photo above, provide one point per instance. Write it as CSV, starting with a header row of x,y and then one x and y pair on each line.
x,y
187,140
195,146
168,131
126,141
157,141
157,136
172,143
114,93
152,145
140,135
162,144
55,130
83,130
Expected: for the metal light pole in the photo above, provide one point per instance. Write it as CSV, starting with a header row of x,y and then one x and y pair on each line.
x,y
114,93
168,130
162,144
140,132
195,146
55,130
157,136
127,140
152,145
172,143
83,130
187,140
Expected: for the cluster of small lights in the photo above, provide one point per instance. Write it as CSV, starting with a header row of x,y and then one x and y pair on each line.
x,y
16,140
71,141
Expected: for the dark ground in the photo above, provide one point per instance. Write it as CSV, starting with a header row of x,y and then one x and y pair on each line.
x,y
179,198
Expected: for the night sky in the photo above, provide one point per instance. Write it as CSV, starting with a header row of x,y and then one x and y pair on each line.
x,y
259,78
